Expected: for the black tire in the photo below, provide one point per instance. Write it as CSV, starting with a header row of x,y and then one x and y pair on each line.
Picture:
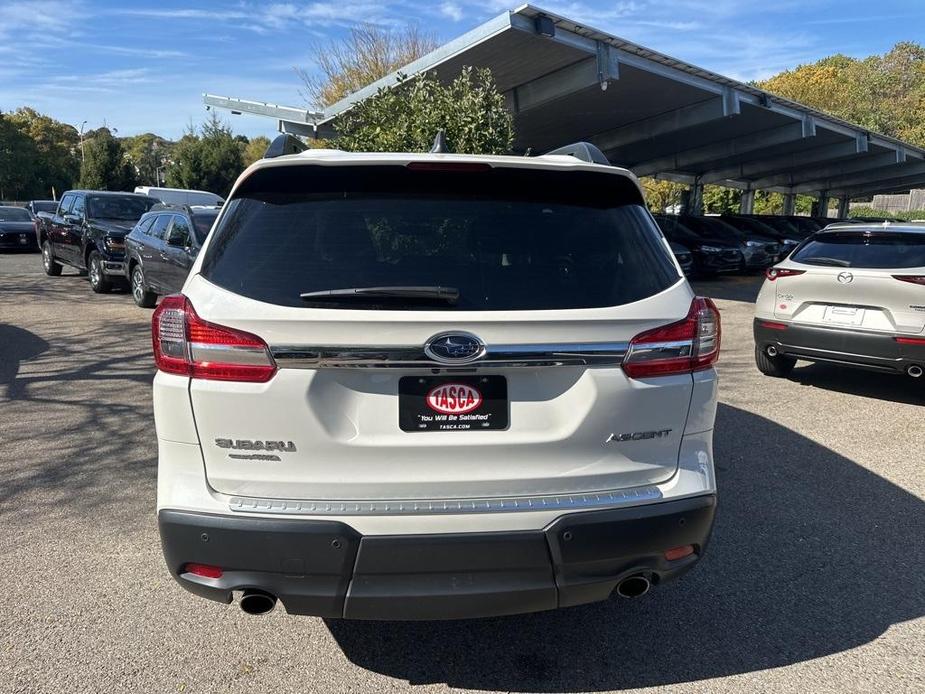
x,y
777,366
51,266
98,282
142,296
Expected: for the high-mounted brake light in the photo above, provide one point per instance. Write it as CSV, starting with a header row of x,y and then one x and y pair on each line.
x,y
689,345
186,344
471,166
773,273
913,279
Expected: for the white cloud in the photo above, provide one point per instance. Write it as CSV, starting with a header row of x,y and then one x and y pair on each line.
x,y
451,10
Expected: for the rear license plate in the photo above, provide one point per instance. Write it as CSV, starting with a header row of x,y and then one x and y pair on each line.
x,y
843,315
452,403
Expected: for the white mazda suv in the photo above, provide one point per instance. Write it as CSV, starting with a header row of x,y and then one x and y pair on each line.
x,y
851,294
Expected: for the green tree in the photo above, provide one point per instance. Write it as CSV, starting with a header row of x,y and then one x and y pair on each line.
x,y
147,153
38,154
105,165
660,195
363,55
470,110
719,199
885,93
210,160
255,149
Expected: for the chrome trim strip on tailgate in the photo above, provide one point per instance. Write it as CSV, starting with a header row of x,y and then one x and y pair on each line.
x,y
413,357
570,502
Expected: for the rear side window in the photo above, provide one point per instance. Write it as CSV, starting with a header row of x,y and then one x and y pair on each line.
x,y
506,239
159,228
202,224
863,250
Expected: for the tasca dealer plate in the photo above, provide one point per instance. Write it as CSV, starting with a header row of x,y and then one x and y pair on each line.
x,y
452,403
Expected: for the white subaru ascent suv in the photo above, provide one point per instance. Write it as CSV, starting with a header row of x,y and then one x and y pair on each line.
x,y
430,386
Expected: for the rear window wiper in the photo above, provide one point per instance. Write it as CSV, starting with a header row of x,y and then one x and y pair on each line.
x,y
447,294
833,262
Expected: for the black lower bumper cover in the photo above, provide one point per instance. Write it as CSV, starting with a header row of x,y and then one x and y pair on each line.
x,y
325,568
842,346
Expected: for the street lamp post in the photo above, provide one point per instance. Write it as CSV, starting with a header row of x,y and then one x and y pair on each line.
x,y
80,131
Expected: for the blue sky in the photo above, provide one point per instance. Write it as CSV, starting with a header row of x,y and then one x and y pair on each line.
x,y
143,66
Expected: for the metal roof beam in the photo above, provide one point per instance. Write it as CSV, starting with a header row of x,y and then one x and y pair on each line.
x,y
260,108
689,116
866,179
820,174
751,170
899,184
694,159
598,71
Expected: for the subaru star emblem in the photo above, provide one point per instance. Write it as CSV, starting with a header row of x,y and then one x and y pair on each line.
x,y
845,277
454,348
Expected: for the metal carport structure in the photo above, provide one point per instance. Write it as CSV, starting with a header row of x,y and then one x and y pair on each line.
x,y
651,113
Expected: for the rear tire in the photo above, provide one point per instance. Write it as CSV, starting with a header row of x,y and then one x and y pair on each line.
x,y
143,297
98,282
778,366
52,267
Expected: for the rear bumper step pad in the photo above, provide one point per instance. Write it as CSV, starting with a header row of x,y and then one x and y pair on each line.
x,y
325,568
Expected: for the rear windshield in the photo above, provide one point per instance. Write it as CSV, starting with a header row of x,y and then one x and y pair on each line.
x,y
127,207
202,223
505,239
14,214
863,250
44,206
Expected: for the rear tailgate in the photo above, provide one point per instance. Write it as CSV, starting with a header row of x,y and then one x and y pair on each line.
x,y
339,427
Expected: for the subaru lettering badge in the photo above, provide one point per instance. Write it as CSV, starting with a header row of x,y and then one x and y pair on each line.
x,y
454,348
845,277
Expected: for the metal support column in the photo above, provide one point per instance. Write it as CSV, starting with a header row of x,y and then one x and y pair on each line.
x,y
790,200
823,204
843,206
747,202
696,199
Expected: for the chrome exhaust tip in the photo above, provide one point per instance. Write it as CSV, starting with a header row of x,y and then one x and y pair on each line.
x,y
771,350
915,371
633,587
257,602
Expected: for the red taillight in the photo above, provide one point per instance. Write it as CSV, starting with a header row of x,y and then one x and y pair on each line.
x,y
689,345
913,279
186,344
203,570
679,552
910,340
773,325
773,273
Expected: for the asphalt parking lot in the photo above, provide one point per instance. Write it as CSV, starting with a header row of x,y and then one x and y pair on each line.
x,y
813,582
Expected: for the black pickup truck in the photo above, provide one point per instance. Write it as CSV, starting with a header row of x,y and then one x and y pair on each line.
x,y
88,233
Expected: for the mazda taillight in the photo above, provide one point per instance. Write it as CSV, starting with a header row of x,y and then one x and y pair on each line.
x,y
773,273
689,345
186,344
913,279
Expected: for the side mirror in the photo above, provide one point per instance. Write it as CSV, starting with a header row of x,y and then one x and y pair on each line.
x,y
72,219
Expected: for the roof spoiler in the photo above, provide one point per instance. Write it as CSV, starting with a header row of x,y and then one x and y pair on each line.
x,y
584,151
284,144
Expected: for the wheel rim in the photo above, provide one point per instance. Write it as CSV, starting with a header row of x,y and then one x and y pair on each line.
x,y
94,272
138,286
46,256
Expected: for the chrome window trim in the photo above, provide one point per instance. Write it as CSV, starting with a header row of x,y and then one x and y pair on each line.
x,y
392,507
413,356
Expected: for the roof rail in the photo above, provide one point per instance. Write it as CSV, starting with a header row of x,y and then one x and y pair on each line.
x,y
584,151
284,144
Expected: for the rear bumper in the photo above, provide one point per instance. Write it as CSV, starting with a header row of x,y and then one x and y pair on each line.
x,y
850,347
18,239
326,568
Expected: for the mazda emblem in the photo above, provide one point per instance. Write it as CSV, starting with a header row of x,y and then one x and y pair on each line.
x,y
845,277
454,348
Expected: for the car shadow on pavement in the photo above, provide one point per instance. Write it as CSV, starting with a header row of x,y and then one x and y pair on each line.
x,y
16,345
871,384
812,555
